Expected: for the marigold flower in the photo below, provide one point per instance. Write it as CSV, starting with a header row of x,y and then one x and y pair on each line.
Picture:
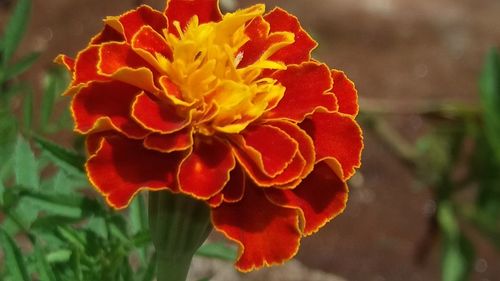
x,y
230,109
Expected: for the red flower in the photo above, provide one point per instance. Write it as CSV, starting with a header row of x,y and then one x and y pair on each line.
x,y
229,109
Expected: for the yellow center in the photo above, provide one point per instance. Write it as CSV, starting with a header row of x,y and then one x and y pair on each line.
x,y
218,94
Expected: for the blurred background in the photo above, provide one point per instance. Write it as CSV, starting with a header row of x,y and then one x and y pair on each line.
x,y
426,203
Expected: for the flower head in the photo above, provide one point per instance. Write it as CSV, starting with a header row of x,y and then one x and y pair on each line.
x,y
229,109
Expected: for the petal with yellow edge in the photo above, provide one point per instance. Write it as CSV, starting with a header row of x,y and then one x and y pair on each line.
x,y
103,106
177,141
346,93
182,11
269,147
261,44
300,50
234,189
320,197
122,167
205,171
85,68
267,234
131,22
338,136
306,90
156,116
108,34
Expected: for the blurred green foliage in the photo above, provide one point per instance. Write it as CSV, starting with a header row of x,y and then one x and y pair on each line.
x,y
459,161
51,228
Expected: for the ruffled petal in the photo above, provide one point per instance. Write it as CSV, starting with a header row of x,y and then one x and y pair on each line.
x,y
103,106
182,11
269,147
149,44
108,34
346,93
156,116
320,197
65,61
300,50
131,22
306,144
177,141
306,86
85,69
336,136
119,62
261,44
267,234
205,171
234,189
249,159
122,167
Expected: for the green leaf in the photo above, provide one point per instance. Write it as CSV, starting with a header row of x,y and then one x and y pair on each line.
x,y
28,109
15,29
44,270
59,256
490,98
98,226
25,165
68,160
13,258
149,272
218,250
458,254
55,207
21,66
8,130
53,85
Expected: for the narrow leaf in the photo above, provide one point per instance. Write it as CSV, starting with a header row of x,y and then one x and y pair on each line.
x,y
25,165
490,98
457,255
65,159
28,109
21,66
15,29
43,268
14,262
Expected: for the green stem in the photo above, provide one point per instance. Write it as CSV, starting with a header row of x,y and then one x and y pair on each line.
x,y
179,225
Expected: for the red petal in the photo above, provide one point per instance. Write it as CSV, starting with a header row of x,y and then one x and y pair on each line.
x,y
114,56
183,10
234,189
306,90
180,140
101,106
153,43
259,41
298,52
320,197
336,136
108,34
289,178
269,147
86,66
66,61
306,144
119,62
93,141
267,234
122,167
157,117
205,171
346,93
131,22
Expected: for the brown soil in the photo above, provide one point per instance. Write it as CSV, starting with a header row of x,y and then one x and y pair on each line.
x,y
393,49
